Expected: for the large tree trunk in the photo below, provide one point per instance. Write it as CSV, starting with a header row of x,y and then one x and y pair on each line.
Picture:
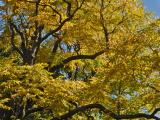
x,y
28,58
29,55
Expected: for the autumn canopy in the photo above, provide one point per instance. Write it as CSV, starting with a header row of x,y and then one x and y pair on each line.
x,y
79,60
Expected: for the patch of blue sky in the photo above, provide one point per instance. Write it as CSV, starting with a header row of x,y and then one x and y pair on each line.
x,y
153,6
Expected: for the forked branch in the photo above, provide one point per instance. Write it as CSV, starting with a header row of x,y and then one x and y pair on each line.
x,y
51,32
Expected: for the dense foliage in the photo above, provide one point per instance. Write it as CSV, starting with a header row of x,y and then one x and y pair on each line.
x,y
78,59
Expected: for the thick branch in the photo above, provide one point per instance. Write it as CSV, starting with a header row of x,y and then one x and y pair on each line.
x,y
107,112
69,59
84,108
23,45
103,23
13,42
57,42
33,111
105,29
155,111
69,6
18,31
57,29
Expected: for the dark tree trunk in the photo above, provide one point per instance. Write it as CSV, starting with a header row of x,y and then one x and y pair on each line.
x,y
29,55
28,59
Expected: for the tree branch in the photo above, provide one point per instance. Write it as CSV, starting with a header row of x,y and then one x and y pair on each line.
x,y
33,111
105,29
155,111
107,112
84,108
57,42
17,30
154,88
69,59
12,40
63,22
54,11
69,7
23,45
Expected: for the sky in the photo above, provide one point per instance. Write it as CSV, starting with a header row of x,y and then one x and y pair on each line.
x,y
153,5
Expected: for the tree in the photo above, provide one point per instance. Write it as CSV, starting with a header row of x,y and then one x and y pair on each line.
x,y
79,59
